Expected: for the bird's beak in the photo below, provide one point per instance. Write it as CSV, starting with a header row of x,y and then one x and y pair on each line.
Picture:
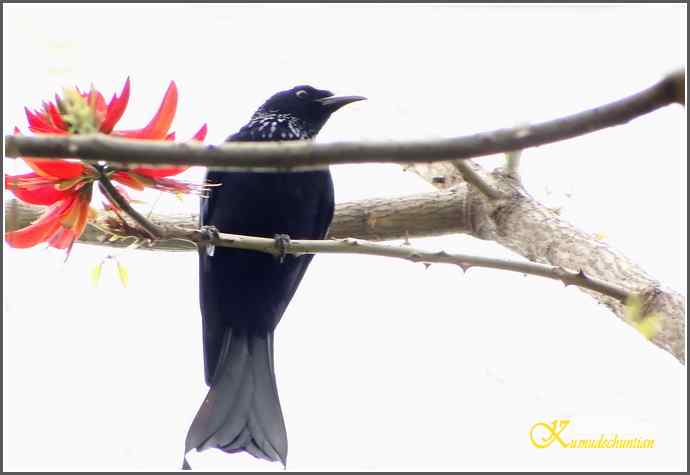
x,y
334,103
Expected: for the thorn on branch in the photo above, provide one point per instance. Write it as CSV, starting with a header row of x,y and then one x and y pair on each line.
x,y
464,267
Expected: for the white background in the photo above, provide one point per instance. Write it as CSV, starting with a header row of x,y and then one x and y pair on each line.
x,y
380,364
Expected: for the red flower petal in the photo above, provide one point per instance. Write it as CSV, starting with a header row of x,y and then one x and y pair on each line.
x,y
116,108
52,130
159,125
37,194
96,98
201,134
56,117
17,181
62,169
62,239
126,179
172,186
45,195
42,229
35,120
84,209
159,172
53,168
39,125
73,221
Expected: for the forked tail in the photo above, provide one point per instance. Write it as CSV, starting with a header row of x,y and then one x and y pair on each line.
x,y
241,411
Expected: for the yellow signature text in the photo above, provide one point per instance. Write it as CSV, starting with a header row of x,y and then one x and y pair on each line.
x,y
544,434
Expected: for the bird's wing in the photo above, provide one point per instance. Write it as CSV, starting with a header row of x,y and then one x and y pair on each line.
x,y
246,289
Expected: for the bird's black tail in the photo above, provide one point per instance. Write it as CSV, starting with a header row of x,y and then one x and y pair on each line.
x,y
241,411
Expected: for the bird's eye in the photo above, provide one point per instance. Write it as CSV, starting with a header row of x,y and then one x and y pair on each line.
x,y
302,94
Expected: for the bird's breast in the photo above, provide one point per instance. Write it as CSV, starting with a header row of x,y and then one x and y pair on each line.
x,y
265,204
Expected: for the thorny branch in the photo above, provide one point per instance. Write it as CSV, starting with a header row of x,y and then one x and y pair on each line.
x,y
356,246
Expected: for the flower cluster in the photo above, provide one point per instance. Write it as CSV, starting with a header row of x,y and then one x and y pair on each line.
x,y
66,186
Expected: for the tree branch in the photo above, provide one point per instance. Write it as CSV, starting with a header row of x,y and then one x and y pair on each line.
x,y
534,231
475,179
375,219
285,156
356,246
538,233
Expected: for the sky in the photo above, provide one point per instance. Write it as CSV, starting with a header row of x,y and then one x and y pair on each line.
x,y
381,365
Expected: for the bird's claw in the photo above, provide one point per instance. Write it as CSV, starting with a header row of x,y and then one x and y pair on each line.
x,y
207,234
282,243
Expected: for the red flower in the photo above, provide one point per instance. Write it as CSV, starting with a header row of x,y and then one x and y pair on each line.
x,y
60,225
66,185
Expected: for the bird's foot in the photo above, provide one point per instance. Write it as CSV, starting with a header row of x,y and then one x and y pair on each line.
x,y
282,243
208,234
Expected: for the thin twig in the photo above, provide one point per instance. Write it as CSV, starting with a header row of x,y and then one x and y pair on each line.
x,y
284,156
356,246
155,231
475,179
513,164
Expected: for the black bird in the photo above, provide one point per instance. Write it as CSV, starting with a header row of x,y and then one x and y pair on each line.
x,y
243,294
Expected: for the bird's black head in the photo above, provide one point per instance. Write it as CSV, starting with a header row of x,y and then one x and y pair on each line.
x,y
298,113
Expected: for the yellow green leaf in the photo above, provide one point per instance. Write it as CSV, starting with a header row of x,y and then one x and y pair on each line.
x,y
96,273
649,326
633,308
123,274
